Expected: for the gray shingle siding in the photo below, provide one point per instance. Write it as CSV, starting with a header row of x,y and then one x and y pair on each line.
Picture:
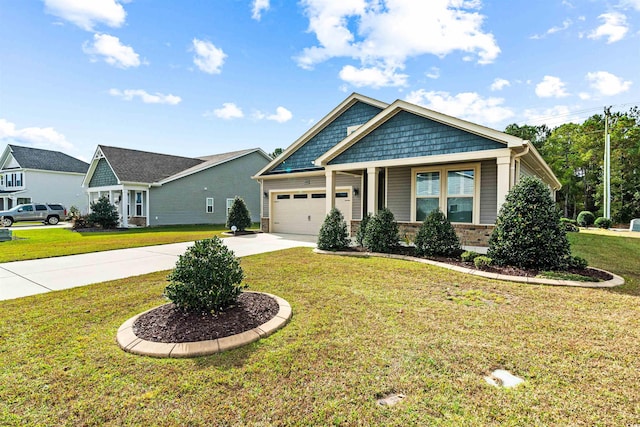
x,y
103,175
488,192
399,192
358,114
408,135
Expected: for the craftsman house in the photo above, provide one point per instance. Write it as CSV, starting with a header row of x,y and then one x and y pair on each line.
x,y
160,189
366,155
34,175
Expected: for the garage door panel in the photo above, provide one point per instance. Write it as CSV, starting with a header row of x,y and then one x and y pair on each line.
x,y
293,213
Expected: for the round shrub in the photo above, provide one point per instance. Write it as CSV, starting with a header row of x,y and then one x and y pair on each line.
x,y
481,262
528,233
103,213
239,215
207,278
569,227
333,233
362,229
469,256
602,222
381,234
585,219
436,236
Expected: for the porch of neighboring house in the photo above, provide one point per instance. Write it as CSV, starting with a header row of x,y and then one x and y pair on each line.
x,y
133,207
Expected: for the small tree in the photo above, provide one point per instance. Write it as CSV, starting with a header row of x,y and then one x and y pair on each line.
x,y
239,215
103,213
333,233
437,236
528,233
381,234
207,278
362,230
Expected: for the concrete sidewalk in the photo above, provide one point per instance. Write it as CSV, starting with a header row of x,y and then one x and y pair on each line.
x,y
23,278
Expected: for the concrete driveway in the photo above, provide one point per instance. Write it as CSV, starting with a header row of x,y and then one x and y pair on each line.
x,y
23,278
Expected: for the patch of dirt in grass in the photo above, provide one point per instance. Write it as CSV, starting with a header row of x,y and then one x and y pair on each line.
x,y
168,324
596,275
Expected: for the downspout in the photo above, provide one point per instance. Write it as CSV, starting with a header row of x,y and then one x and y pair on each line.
x,y
513,163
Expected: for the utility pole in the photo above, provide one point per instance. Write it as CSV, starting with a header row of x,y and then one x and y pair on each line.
x,y
607,164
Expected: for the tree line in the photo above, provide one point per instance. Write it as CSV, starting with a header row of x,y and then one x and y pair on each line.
x,y
575,153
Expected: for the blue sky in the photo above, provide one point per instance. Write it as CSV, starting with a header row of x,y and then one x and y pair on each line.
x,y
203,77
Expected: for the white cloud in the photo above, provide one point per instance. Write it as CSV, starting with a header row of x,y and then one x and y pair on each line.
x,y
635,4
86,14
565,25
147,98
499,84
552,117
208,58
615,27
373,77
112,51
584,96
551,87
258,7
433,73
228,111
383,36
281,115
469,105
47,138
607,84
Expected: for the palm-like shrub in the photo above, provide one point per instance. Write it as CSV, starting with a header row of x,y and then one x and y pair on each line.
x,y
528,233
436,236
207,278
103,213
333,233
239,215
381,234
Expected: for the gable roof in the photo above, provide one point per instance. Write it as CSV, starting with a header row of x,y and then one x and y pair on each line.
x,y
136,166
48,160
315,130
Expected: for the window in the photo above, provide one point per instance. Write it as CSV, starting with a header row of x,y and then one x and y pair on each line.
x,y
18,179
229,204
283,197
138,203
27,208
300,196
41,208
427,193
209,205
342,195
23,200
318,196
452,189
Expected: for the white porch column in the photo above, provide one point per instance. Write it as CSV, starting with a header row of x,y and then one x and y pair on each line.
x,y
330,184
372,190
147,208
504,179
124,203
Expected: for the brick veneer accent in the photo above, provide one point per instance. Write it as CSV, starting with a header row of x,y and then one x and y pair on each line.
x,y
264,225
469,234
139,221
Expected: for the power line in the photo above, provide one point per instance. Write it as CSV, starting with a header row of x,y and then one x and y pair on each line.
x,y
576,114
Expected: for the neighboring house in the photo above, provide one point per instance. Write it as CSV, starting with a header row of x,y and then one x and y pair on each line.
x,y
160,189
33,175
366,155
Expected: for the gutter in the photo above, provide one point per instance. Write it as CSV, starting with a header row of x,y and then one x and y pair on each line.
x,y
513,162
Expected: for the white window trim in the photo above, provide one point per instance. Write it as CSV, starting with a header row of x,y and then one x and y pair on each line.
x,y
136,203
443,170
206,205
229,204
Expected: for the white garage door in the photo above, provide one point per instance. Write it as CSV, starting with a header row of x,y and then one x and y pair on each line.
x,y
303,212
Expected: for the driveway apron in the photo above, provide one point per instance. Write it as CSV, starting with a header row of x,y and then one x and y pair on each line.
x,y
23,278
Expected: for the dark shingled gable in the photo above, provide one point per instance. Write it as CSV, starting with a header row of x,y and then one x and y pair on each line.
x,y
37,158
143,166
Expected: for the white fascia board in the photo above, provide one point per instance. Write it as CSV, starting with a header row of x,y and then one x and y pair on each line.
x,y
468,156
533,156
509,140
289,175
344,105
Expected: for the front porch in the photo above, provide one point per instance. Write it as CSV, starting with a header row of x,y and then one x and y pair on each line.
x,y
132,203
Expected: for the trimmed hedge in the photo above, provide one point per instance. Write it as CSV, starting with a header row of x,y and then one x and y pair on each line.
x,y
436,236
381,234
333,234
585,219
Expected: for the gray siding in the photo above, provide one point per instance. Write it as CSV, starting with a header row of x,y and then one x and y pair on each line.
x,y
103,175
399,192
408,135
183,201
302,159
525,170
488,192
315,182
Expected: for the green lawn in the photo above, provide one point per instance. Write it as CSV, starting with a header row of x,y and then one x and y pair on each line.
x,y
361,328
44,243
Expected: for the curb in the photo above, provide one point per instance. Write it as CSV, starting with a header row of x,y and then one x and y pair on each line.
x,y
615,281
129,342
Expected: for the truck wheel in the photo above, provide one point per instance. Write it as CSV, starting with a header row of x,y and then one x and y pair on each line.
x,y
6,221
53,220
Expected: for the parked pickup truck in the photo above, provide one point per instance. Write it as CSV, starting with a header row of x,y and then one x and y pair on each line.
x,y
48,213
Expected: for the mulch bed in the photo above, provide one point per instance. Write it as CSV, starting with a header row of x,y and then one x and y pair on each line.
x,y
168,324
596,275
